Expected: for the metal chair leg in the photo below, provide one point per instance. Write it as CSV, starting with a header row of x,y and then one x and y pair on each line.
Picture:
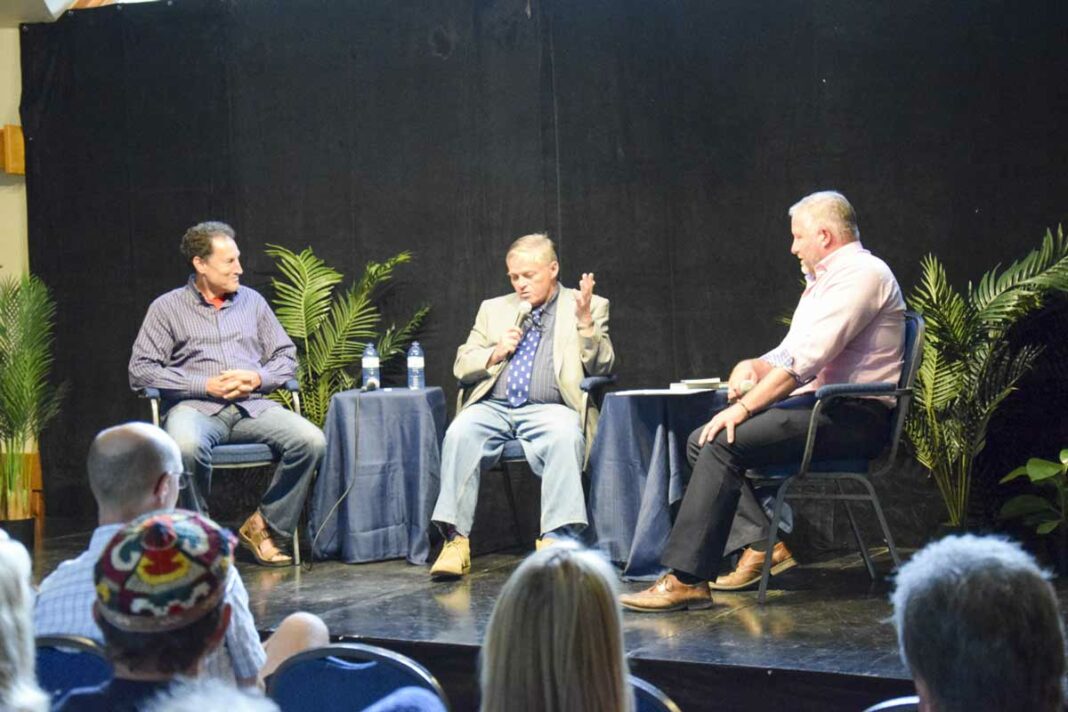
x,y
773,535
882,522
516,529
864,554
296,546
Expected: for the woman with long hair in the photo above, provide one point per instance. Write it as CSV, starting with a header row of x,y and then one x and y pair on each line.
x,y
555,639
18,684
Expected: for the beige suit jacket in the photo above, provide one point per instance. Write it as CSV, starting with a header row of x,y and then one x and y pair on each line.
x,y
574,356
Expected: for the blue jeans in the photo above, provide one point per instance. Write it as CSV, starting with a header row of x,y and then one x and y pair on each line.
x,y
552,442
300,444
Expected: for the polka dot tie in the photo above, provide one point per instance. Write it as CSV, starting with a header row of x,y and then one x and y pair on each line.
x,y
522,366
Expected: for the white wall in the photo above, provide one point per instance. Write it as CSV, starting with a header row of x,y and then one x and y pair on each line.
x,y
14,258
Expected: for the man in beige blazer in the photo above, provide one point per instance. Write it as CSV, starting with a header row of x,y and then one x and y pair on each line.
x,y
521,367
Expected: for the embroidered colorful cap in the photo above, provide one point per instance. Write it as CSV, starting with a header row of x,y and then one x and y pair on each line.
x,y
163,571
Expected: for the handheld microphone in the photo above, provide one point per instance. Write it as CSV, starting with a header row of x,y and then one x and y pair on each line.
x,y
522,313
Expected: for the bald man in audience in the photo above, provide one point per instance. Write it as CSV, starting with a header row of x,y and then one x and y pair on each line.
x,y
136,468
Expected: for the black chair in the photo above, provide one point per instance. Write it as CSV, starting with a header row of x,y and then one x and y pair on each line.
x,y
898,704
650,698
65,662
513,459
783,477
346,676
236,456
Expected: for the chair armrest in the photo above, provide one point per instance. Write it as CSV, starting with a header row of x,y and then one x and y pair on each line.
x,y
292,385
593,384
152,393
842,390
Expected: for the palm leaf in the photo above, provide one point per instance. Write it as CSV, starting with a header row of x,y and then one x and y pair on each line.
x,y
303,302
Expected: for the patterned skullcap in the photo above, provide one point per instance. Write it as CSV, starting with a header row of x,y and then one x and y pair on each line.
x,y
163,571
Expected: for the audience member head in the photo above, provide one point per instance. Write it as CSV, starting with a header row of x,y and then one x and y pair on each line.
x,y
555,639
211,695
979,627
160,583
18,683
134,468
533,268
199,240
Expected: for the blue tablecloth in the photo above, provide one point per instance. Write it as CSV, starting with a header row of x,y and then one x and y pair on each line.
x,y
638,470
391,457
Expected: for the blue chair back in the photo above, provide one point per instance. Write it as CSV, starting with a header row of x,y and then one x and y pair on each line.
x,y
345,676
650,698
66,661
910,366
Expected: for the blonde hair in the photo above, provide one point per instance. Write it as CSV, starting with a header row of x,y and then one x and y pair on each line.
x,y
555,640
536,246
18,682
830,208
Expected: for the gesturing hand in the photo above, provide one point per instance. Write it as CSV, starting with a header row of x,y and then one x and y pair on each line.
x,y
583,299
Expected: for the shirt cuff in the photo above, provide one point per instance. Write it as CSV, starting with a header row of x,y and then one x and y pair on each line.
x,y
198,386
780,357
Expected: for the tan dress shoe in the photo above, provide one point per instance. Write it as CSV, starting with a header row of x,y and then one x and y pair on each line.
x,y
747,573
668,594
454,560
256,537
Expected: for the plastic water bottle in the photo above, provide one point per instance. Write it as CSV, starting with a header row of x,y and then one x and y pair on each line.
x,y
369,364
416,367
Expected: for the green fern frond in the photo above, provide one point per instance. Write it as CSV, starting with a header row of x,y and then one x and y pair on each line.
x,y
393,340
303,302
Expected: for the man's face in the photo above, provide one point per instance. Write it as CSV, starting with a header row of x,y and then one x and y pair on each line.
x,y
221,271
533,280
810,241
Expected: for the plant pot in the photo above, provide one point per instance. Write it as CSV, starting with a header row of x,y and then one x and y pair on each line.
x,y
21,530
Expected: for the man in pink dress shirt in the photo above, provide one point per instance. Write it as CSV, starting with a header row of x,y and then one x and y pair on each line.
x,y
849,327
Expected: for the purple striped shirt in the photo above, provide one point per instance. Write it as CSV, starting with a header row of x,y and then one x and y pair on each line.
x,y
184,341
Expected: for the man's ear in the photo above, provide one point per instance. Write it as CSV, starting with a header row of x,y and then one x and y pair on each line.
x,y
554,269
199,264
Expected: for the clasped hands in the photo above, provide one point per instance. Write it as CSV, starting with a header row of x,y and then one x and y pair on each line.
x,y
510,339
233,384
742,378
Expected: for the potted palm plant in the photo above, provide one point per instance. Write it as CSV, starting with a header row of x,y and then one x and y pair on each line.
x,y
331,328
28,399
970,365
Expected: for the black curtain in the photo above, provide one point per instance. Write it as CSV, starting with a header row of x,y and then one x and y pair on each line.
x,y
659,143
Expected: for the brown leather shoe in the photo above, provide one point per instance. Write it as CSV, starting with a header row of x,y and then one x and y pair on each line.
x,y
256,537
454,560
668,594
747,573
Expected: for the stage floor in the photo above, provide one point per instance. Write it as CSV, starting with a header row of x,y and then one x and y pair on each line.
x,y
821,642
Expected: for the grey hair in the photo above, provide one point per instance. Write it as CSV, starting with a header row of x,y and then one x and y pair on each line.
x,y
537,246
210,695
126,461
555,640
18,683
831,209
978,623
198,240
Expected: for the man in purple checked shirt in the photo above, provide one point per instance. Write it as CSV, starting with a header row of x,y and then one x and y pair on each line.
x,y
214,348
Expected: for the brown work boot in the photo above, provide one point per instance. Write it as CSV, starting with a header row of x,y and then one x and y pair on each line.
x,y
256,537
747,573
454,560
668,594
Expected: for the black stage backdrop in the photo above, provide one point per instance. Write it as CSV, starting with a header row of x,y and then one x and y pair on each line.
x,y
660,143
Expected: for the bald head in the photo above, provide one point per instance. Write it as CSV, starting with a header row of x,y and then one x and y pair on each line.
x,y
125,465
